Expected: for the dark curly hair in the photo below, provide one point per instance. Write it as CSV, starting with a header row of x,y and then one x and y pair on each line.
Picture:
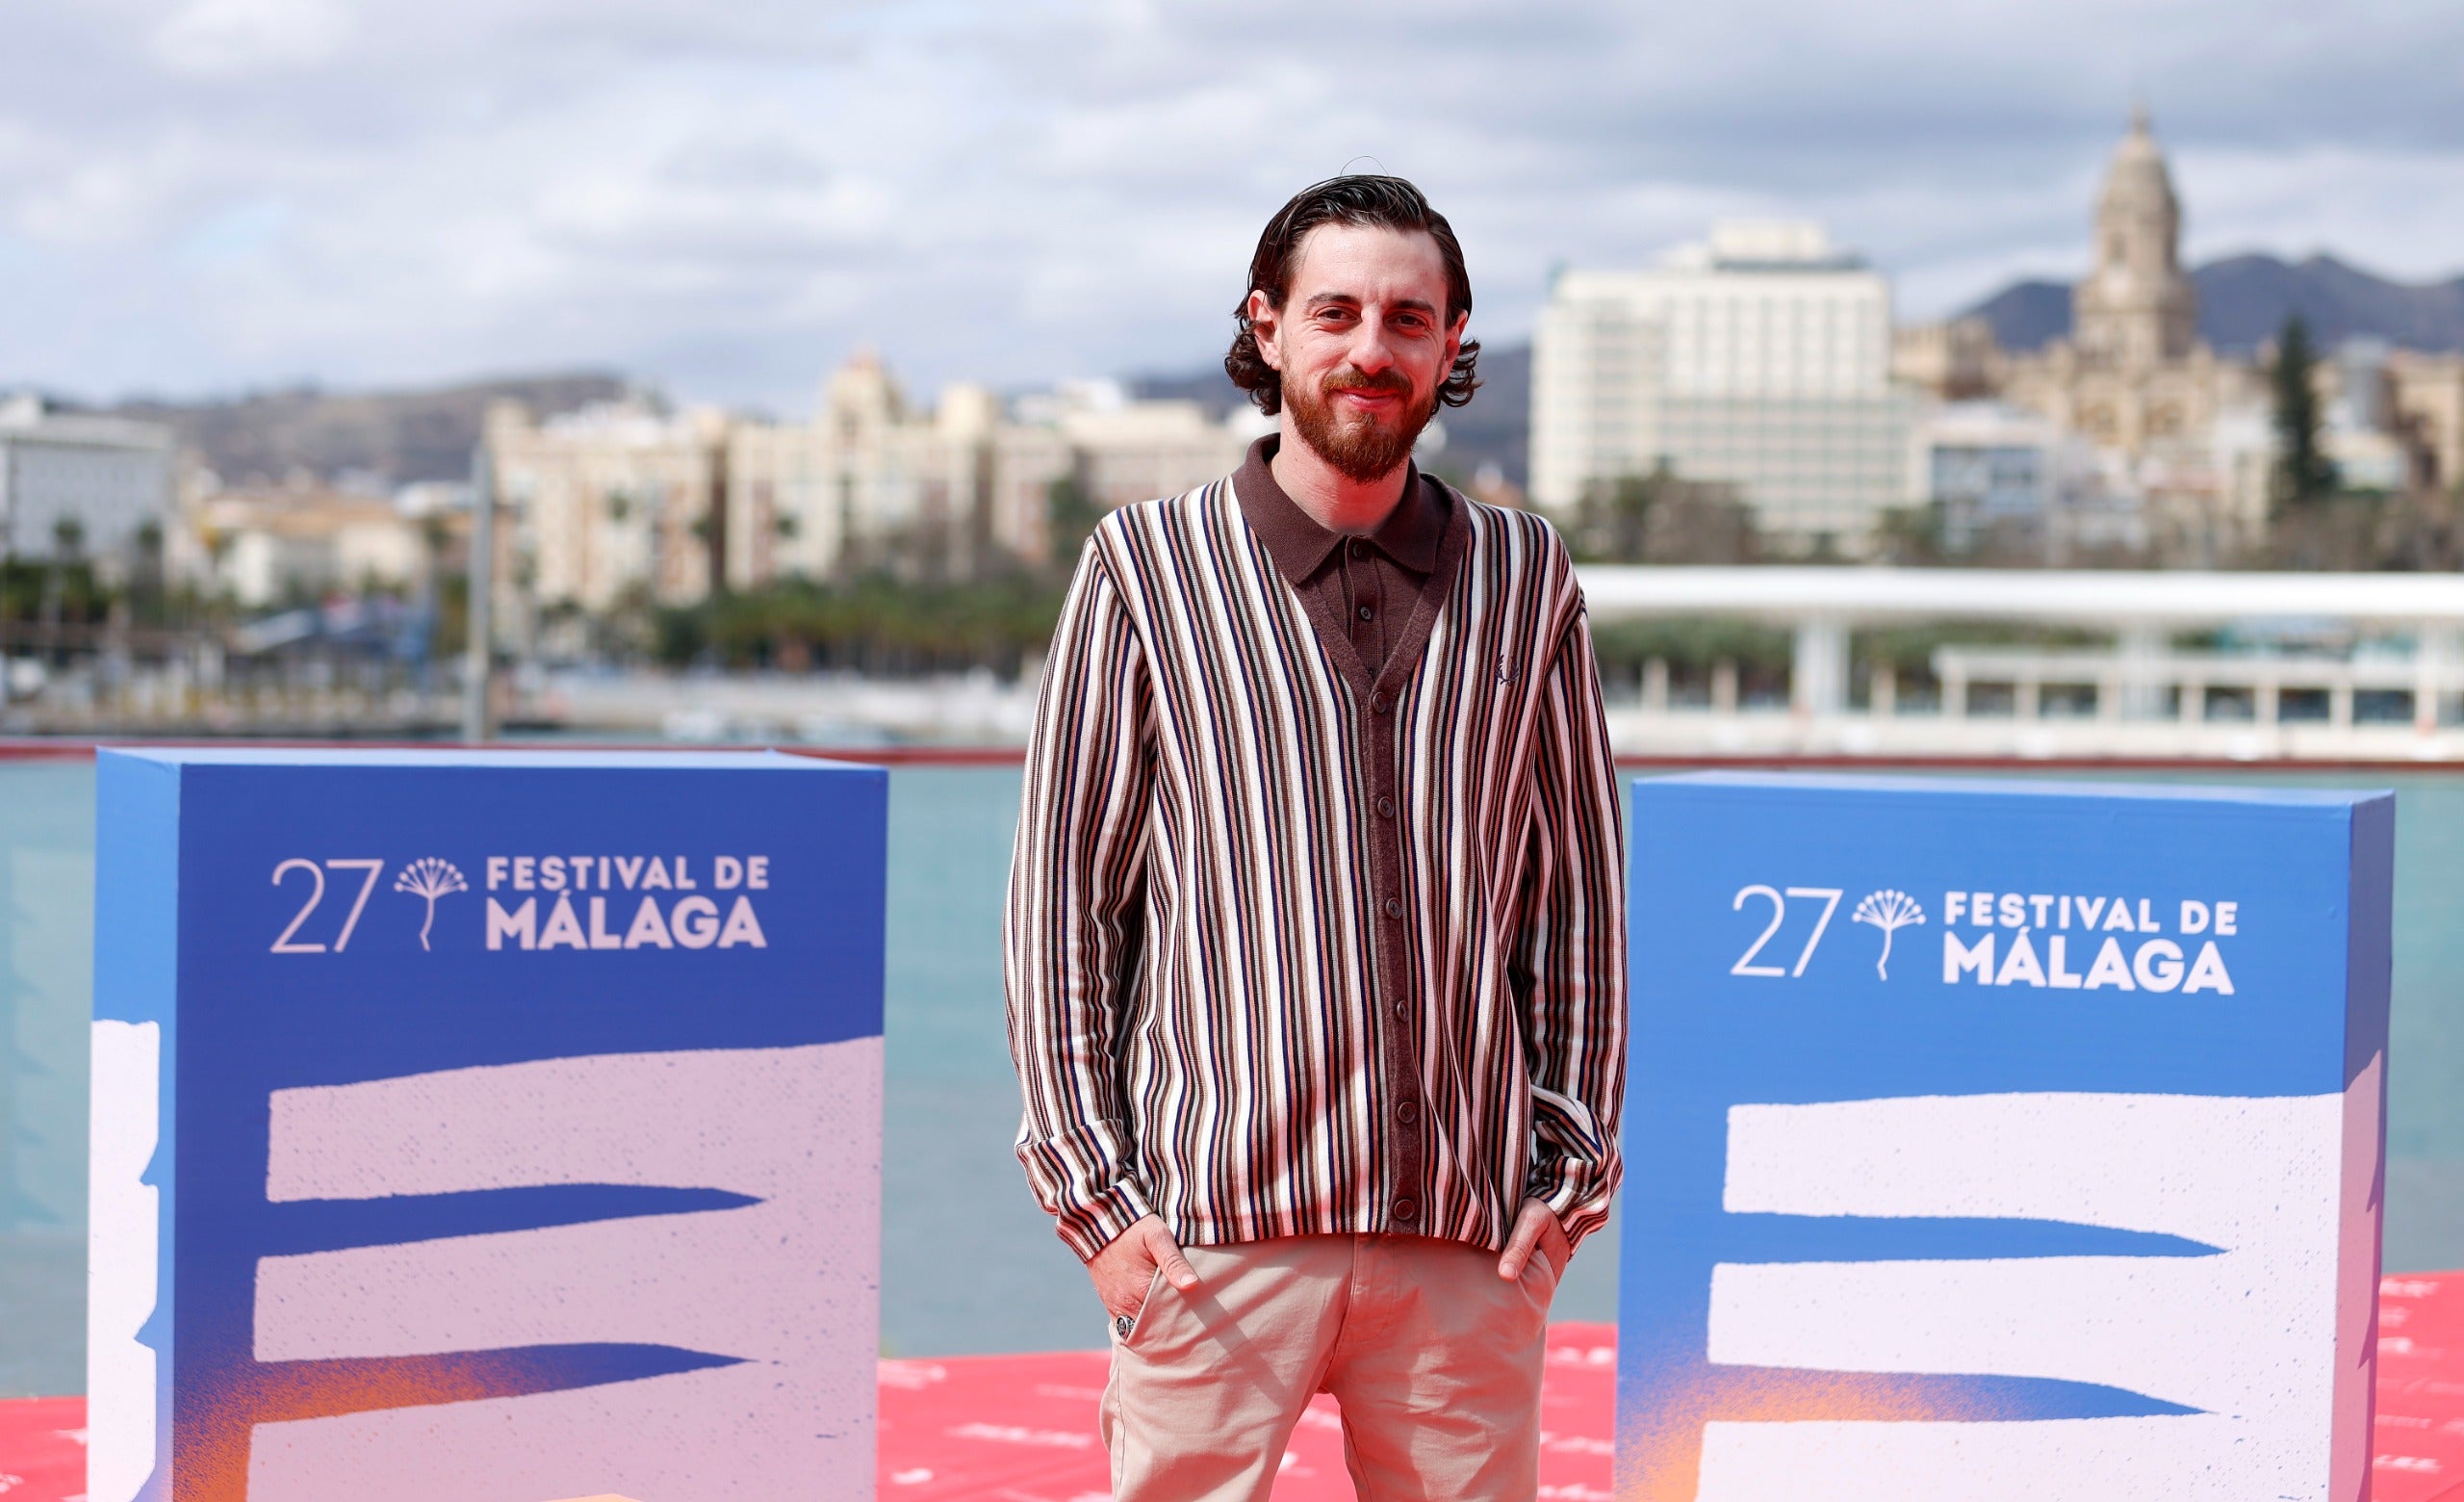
x,y
1358,199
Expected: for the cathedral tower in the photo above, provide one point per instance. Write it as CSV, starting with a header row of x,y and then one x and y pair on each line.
x,y
2137,309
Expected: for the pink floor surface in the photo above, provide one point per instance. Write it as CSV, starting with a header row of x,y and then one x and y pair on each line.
x,y
1022,1428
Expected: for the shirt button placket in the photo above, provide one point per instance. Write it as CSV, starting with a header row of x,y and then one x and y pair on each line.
x,y
1402,1071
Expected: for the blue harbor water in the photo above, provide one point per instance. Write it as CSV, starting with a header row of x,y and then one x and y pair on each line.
x,y
969,1261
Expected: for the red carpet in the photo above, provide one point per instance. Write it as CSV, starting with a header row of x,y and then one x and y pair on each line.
x,y
1022,1427
2421,1389
43,1449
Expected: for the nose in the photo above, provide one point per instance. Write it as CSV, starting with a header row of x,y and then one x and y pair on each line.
x,y
1370,352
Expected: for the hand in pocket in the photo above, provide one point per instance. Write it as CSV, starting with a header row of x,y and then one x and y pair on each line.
x,y
1536,1230
1124,1271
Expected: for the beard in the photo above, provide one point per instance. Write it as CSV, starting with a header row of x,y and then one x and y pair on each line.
x,y
1361,446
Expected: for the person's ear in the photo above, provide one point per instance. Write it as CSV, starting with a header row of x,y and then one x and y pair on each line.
x,y
1264,322
1454,345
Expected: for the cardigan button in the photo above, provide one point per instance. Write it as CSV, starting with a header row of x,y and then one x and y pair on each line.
x,y
1385,808
1407,1210
1394,907
1377,701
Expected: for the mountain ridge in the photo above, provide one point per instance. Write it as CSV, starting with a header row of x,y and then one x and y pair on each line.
x,y
399,436
2244,300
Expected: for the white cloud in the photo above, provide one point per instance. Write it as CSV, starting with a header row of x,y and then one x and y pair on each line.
x,y
240,38
197,193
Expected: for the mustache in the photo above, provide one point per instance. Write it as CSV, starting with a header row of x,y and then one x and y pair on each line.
x,y
1361,381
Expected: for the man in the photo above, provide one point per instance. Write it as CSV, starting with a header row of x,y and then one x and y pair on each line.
x,y
1315,938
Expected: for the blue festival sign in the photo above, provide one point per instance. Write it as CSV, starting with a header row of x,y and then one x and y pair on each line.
x,y
1998,1139
487,1126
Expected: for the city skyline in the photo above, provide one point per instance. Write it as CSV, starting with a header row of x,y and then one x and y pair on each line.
x,y
204,196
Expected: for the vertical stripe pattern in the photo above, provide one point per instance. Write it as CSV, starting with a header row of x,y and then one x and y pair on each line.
x,y
1246,994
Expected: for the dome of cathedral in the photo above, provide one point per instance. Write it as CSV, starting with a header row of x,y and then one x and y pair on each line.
x,y
2137,181
2136,308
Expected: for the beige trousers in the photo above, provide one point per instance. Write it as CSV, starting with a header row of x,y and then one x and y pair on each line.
x,y
1434,1359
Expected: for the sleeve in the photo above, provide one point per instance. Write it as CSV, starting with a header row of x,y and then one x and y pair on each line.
x,y
1574,946
1073,929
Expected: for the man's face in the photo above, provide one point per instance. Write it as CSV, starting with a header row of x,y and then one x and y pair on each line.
x,y
1363,344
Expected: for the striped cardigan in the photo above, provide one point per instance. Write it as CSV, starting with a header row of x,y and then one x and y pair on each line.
x,y
1292,949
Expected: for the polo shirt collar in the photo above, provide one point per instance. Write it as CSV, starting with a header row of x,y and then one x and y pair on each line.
x,y
1301,545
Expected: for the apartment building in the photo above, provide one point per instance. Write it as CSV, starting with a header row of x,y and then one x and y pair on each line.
x,y
1758,359
91,486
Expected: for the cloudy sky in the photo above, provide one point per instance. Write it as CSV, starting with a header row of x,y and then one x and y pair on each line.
x,y
199,196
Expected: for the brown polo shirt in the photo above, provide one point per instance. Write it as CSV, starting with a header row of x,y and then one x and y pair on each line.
x,y
1368,583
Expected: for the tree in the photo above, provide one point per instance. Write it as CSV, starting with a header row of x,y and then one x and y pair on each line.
x,y
2304,476
1664,517
1072,515
1612,522
1912,536
67,539
1890,910
146,595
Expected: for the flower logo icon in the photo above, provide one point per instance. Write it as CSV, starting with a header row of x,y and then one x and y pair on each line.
x,y
1890,910
431,877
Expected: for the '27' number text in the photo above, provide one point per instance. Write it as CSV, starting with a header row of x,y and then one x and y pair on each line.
x,y
1745,965
289,942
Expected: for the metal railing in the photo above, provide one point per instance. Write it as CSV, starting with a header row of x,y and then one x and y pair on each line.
x,y
2186,687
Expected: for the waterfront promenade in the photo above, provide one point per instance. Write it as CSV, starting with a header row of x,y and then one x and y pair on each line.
x,y
2027,665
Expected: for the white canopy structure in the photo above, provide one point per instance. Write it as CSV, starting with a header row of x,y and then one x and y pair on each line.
x,y
2109,599
2146,697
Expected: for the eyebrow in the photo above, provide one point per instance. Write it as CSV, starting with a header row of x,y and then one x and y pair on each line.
x,y
1330,299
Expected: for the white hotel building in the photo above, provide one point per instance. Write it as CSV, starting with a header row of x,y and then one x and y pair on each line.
x,y
1761,358
91,484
